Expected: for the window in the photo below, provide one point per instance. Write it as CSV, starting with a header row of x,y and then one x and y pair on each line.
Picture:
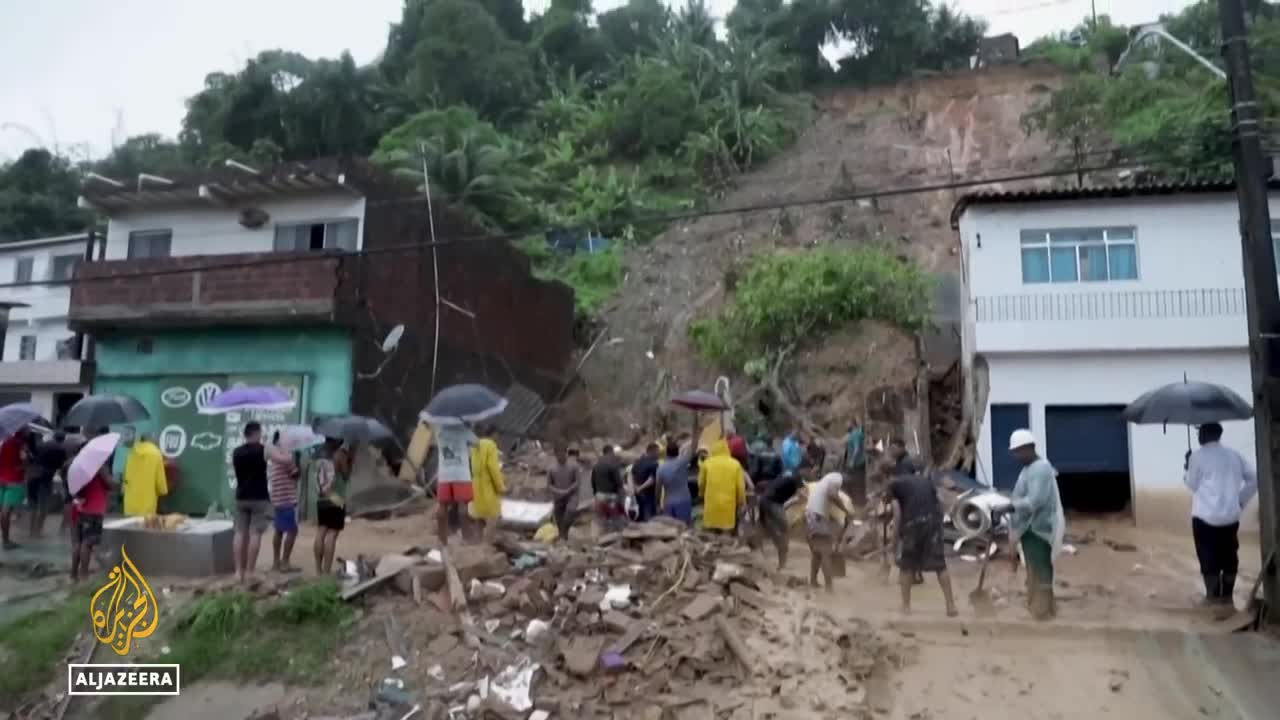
x,y
1079,255
62,267
331,235
22,268
27,347
150,243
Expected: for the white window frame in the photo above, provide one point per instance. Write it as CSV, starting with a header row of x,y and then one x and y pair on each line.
x,y
1129,238
75,259
330,237
24,269
150,236
28,353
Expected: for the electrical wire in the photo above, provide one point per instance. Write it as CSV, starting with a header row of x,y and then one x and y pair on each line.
x,y
827,199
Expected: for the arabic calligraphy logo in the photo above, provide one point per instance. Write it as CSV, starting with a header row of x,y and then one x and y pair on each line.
x,y
124,609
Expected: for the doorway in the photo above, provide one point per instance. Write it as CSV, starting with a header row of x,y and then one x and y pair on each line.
x,y
1089,447
62,404
1005,418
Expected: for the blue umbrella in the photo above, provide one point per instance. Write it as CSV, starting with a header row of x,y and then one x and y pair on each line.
x,y
17,416
249,398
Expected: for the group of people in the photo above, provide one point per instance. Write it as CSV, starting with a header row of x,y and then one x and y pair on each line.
x,y
267,495
469,480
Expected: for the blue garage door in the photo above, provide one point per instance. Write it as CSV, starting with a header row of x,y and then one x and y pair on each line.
x,y
1087,438
1004,420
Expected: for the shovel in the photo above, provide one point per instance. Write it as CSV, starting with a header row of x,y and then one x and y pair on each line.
x,y
980,598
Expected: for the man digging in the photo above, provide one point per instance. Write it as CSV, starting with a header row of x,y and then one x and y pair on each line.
x,y
917,515
821,529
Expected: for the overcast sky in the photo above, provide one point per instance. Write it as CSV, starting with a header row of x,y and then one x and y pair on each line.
x,y
85,73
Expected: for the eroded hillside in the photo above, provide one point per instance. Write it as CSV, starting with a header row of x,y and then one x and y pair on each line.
x,y
918,132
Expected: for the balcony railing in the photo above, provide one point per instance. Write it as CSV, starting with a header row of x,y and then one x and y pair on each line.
x,y
1123,305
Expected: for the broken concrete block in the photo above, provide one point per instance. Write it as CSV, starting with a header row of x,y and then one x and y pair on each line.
x,y
701,607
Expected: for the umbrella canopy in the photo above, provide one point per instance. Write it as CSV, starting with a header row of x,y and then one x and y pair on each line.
x,y
18,416
90,460
249,398
298,437
97,411
351,429
699,400
1188,403
460,404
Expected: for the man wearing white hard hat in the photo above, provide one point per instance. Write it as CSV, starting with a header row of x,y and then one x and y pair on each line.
x,y
1038,521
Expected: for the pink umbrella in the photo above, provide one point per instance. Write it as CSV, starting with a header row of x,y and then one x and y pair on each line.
x,y
90,460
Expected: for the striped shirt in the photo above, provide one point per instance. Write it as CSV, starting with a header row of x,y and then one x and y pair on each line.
x,y
282,481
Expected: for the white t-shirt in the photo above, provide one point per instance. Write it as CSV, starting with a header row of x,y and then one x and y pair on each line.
x,y
820,495
454,445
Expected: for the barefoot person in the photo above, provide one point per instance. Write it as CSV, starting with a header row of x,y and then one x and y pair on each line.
x,y
917,515
88,508
282,485
253,501
1222,483
454,490
1038,522
331,469
824,539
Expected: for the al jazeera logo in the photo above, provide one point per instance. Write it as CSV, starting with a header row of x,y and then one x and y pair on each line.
x,y
122,611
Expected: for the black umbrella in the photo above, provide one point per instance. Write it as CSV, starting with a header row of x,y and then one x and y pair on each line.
x,y
351,429
97,411
460,404
17,416
1188,403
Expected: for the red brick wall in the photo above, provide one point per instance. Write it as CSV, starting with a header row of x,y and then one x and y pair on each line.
x,y
219,279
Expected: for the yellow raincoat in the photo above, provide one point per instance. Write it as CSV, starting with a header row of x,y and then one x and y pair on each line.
x,y
144,481
487,483
723,488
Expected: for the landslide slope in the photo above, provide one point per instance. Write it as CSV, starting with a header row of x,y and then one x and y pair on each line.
x,y
925,130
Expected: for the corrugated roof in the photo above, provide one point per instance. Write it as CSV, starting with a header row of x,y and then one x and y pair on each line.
x,y
1187,187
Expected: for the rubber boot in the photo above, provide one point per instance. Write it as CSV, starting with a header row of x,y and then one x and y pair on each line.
x,y
1042,603
1212,589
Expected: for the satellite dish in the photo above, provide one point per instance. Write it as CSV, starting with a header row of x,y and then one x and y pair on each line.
x,y
393,339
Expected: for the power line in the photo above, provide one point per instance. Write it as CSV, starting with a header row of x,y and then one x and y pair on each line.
x,y
289,258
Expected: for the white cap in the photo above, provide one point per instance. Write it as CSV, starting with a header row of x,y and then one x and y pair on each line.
x,y
1021,438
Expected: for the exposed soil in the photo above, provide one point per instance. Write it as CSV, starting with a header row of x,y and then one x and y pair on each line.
x,y
922,131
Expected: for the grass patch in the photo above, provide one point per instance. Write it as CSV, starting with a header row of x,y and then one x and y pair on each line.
x,y
32,647
231,636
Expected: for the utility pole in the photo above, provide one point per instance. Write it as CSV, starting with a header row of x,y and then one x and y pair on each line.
x,y
1093,6
1261,293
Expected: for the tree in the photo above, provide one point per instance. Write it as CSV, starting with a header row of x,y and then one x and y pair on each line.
x,y
149,153
635,27
38,197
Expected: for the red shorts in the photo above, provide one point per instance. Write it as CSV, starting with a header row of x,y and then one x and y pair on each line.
x,y
457,493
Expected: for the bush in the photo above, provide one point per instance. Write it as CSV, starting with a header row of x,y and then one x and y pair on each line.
x,y
785,298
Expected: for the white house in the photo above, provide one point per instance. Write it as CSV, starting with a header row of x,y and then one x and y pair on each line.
x,y
1080,300
40,362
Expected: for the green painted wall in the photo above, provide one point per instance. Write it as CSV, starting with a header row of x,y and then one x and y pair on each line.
x,y
320,358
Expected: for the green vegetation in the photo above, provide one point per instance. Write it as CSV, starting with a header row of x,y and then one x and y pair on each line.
x,y
230,635
571,118
32,647
1163,108
785,298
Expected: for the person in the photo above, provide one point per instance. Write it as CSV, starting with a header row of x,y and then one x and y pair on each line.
x,y
88,509
563,479
792,453
773,515
607,485
454,491
820,528
13,483
854,463
903,463
488,484
815,456
723,488
673,475
253,499
282,486
1222,483
738,449
144,479
331,468
917,515
1038,522
644,480
51,458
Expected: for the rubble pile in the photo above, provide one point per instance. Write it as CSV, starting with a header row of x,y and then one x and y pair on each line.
x,y
654,621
